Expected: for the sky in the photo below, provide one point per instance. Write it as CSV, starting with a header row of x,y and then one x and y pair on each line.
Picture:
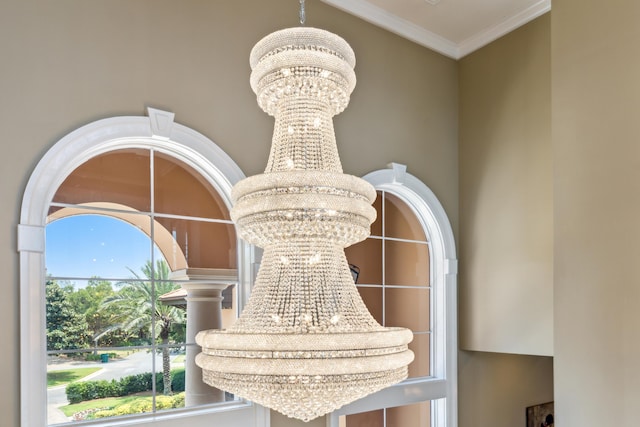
x,y
95,245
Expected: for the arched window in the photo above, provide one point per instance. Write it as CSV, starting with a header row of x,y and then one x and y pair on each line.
x,y
407,277
169,186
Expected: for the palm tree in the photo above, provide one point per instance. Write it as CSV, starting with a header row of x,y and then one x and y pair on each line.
x,y
137,308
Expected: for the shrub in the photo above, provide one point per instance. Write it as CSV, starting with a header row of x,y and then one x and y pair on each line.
x,y
135,383
178,400
177,381
90,390
141,405
105,413
164,402
75,392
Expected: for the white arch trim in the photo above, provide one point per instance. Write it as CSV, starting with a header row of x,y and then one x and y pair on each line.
x,y
159,132
441,388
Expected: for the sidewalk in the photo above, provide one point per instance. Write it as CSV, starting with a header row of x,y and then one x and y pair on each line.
x,y
56,396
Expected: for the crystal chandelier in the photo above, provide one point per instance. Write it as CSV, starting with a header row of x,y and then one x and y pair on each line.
x,y
305,344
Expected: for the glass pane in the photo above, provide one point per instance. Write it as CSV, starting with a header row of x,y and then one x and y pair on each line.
x,y
136,373
372,297
366,419
174,396
376,227
399,220
77,317
229,306
180,190
66,323
367,256
406,263
421,350
94,397
416,415
137,308
82,243
173,315
408,308
196,244
121,177
200,393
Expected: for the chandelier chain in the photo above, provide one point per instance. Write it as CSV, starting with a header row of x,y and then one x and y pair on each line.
x,y
303,15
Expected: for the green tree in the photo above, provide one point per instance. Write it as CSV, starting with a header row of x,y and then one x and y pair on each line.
x,y
88,300
66,328
137,307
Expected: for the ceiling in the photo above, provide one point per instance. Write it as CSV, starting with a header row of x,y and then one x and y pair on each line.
x,y
454,28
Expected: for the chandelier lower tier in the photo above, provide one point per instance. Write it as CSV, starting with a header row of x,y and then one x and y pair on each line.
x,y
305,344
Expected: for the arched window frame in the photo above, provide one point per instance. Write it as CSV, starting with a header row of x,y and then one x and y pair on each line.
x,y
157,132
441,386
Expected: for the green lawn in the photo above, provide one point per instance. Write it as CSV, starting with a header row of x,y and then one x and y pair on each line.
x,y
56,378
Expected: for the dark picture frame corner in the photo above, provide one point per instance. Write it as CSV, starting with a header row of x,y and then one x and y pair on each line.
x,y
541,415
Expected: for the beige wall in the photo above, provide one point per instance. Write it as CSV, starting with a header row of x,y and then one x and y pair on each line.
x,y
506,231
69,62
505,244
495,389
596,148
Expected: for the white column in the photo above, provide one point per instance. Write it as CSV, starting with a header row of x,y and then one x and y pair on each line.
x,y
204,311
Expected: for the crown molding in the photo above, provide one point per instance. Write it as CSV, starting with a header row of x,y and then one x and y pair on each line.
x,y
488,35
380,17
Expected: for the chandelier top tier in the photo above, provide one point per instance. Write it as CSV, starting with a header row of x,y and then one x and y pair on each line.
x,y
305,344
303,61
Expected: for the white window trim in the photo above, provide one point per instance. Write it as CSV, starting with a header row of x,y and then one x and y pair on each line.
x,y
441,387
157,131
